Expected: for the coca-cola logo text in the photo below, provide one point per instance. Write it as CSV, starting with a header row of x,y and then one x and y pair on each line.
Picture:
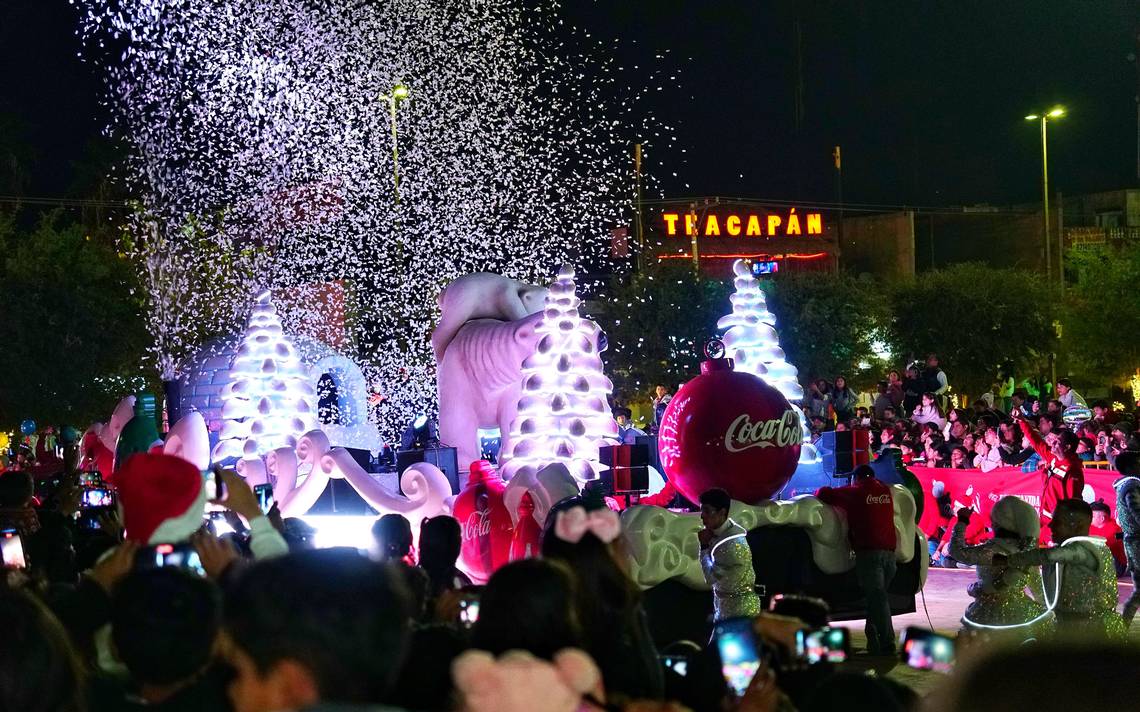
x,y
478,524
884,498
743,434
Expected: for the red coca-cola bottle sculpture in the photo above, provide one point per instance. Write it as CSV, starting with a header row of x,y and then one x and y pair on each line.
x,y
527,540
729,429
485,523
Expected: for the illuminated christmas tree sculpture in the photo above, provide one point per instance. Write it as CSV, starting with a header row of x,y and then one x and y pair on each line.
x,y
270,403
563,415
752,342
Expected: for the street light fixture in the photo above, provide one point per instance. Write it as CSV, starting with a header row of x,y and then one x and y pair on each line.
x,y
1043,117
398,94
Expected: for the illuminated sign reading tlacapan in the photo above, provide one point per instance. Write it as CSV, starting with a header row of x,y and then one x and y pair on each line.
x,y
742,224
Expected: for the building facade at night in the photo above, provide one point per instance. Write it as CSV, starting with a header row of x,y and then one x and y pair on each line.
x,y
713,232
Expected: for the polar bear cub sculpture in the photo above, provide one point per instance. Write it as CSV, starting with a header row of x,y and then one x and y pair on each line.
x,y
486,329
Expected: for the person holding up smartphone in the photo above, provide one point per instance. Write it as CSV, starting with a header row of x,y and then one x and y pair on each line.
x,y
163,500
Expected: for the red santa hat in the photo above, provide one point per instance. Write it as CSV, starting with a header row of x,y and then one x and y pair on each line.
x,y
162,498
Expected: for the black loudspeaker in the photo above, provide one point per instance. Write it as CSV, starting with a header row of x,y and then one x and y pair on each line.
x,y
363,458
626,480
844,450
650,442
624,455
445,458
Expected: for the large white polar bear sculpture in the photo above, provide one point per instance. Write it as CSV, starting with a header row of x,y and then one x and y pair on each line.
x,y
486,329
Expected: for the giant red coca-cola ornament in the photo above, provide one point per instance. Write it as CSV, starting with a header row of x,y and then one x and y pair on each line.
x,y
729,429
484,522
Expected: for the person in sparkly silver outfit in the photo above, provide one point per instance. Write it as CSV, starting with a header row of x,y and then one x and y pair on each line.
x,y
726,559
1128,517
1078,575
1001,606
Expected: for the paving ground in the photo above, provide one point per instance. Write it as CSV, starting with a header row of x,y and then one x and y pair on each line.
x,y
946,599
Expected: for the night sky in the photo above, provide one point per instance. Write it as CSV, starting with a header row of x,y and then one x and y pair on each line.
x,y
927,99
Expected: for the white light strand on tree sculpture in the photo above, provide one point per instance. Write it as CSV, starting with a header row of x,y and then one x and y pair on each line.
x,y
564,415
271,402
269,122
753,344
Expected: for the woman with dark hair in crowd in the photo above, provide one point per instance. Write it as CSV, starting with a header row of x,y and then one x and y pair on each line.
x,y
926,431
913,387
960,458
39,670
843,400
528,605
440,542
392,534
895,391
928,411
969,440
818,400
582,533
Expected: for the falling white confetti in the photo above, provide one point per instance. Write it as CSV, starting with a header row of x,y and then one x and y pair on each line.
x,y
262,151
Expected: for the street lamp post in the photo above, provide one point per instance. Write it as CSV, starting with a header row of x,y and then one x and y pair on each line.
x,y
398,94
1044,117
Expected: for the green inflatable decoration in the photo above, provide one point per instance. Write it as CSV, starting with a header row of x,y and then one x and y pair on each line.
x,y
140,433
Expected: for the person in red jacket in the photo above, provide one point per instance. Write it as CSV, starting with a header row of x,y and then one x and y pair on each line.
x,y
1064,474
871,531
1104,526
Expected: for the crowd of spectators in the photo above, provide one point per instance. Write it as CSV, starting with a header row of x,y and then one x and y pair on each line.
x,y
914,415
257,620
276,625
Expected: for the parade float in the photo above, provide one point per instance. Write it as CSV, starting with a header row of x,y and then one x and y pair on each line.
x,y
521,360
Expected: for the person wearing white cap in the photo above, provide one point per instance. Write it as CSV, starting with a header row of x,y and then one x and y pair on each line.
x,y
1001,605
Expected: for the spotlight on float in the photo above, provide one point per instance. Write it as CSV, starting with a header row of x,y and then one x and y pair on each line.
x,y
420,434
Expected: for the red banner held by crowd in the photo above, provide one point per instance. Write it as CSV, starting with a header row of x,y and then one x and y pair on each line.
x,y
982,489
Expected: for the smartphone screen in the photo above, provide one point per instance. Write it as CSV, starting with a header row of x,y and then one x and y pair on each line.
x,y
183,556
739,653
264,495
12,549
96,497
924,649
822,644
215,487
677,663
469,609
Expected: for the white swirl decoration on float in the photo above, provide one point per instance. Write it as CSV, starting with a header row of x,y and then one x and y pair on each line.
x,y
663,544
